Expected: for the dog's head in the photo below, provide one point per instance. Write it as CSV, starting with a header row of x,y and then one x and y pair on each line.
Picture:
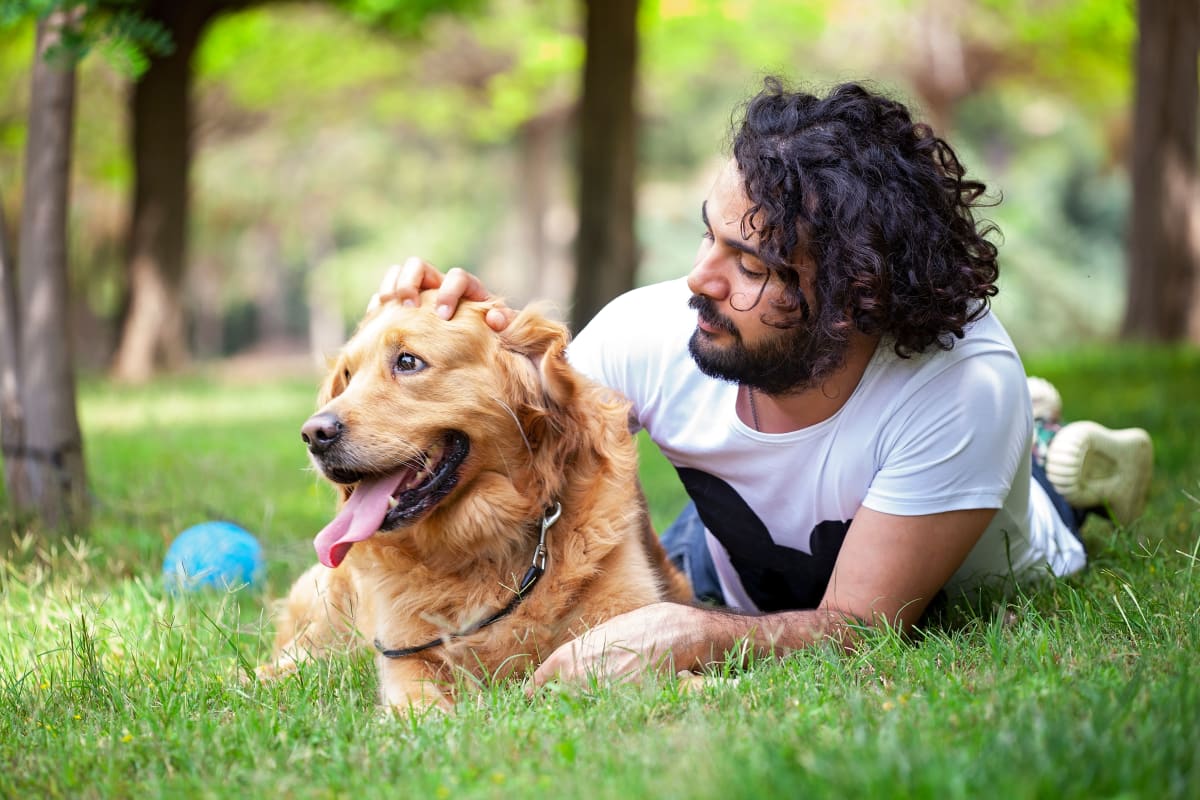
x,y
423,418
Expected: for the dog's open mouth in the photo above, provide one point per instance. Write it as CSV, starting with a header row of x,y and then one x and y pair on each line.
x,y
386,502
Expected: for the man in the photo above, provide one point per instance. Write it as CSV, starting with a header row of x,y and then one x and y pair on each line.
x,y
851,422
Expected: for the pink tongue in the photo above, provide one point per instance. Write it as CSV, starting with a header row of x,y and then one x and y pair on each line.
x,y
359,518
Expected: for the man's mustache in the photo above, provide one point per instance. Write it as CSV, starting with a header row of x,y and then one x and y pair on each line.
x,y
707,311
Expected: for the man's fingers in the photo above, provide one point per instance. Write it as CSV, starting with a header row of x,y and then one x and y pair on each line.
x,y
403,283
414,277
499,317
457,286
552,668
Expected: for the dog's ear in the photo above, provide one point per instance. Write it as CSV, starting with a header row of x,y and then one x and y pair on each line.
x,y
544,342
546,390
334,383
544,394
569,422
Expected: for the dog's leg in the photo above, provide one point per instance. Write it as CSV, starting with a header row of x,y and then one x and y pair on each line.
x,y
409,687
674,584
318,616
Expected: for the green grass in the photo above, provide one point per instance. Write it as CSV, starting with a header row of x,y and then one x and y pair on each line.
x,y
109,687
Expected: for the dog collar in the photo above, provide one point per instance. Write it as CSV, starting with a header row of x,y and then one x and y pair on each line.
x,y
535,571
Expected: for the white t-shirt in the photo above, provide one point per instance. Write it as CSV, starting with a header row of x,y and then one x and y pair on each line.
x,y
939,431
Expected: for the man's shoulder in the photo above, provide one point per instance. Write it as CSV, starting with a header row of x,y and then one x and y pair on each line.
x,y
638,333
664,295
658,309
984,357
983,337
987,330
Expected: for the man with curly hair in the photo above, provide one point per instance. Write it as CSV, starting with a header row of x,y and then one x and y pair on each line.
x,y
851,422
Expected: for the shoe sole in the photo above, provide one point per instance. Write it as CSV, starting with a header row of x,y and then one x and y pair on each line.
x,y
1092,466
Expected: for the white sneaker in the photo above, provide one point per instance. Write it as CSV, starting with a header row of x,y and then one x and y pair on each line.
x,y
1047,402
1092,466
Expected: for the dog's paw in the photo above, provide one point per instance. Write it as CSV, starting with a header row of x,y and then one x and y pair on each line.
x,y
690,681
415,710
275,670
416,699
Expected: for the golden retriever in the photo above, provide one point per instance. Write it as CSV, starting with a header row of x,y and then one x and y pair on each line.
x,y
468,461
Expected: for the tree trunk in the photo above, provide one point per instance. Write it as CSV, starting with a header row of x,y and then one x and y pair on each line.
x,y
153,334
547,220
50,458
534,143
938,69
1164,241
12,419
606,246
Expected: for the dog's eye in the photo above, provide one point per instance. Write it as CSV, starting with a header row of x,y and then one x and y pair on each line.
x,y
407,362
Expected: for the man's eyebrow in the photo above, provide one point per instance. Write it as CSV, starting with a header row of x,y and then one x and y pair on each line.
x,y
736,244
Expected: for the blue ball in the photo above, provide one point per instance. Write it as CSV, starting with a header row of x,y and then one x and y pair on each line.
x,y
217,555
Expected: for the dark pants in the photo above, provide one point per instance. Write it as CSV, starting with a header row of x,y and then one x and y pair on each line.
x,y
1073,517
687,546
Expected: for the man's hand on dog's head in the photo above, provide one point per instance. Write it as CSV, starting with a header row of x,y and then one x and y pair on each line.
x,y
404,283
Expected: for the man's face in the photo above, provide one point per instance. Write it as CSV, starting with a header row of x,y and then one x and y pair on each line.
x,y
732,291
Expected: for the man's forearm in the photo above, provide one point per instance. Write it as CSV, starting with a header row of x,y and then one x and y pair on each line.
x,y
718,634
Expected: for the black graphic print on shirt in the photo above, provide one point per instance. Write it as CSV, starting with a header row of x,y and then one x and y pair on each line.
x,y
776,578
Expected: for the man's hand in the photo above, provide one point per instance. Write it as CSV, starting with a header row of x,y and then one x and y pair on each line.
x,y
656,638
404,283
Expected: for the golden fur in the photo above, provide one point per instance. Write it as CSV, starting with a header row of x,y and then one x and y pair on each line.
x,y
539,434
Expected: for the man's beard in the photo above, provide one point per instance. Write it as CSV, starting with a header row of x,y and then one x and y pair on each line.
x,y
783,363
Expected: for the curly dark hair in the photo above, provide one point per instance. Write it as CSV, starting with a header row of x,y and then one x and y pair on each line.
x,y
877,203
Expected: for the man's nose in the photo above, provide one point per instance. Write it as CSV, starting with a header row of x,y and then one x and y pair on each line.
x,y
707,276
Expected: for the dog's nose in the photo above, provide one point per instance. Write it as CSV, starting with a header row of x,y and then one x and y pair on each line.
x,y
321,431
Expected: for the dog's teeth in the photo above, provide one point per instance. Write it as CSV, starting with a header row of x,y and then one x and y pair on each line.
x,y
393,502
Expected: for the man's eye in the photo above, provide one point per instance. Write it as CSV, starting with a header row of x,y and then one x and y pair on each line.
x,y
751,273
407,362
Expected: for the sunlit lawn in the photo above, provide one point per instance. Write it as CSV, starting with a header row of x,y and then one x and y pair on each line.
x,y
110,687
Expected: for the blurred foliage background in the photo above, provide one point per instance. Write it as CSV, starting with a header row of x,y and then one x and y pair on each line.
x,y
328,146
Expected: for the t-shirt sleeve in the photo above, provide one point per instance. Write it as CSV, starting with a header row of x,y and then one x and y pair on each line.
x,y
957,442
